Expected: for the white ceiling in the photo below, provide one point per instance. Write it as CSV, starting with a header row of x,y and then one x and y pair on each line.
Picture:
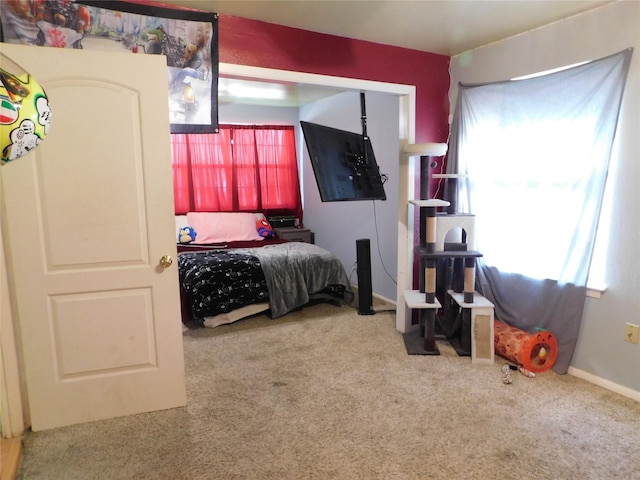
x,y
447,27
269,93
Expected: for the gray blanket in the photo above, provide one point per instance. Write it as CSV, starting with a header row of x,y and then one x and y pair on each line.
x,y
296,271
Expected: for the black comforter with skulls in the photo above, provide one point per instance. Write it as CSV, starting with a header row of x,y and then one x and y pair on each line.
x,y
217,282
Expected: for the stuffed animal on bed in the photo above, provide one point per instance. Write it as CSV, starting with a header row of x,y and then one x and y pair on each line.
x,y
264,229
186,235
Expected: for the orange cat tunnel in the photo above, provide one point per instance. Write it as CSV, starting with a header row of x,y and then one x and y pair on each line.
x,y
536,352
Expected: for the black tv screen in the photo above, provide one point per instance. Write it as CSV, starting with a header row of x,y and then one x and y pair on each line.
x,y
342,169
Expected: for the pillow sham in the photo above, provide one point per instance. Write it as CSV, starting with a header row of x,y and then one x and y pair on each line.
x,y
217,227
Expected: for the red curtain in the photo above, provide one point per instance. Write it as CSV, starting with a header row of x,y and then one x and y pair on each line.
x,y
241,169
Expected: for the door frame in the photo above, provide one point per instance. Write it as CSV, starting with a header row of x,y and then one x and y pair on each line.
x,y
15,417
15,414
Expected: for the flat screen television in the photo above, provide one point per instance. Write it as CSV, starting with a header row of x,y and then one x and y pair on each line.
x,y
343,163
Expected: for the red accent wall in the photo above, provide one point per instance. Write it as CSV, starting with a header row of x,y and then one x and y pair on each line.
x,y
249,42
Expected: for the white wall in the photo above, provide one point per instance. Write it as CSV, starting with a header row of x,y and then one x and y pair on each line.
x,y
337,225
601,353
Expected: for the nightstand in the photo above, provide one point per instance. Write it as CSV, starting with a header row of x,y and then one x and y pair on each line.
x,y
295,234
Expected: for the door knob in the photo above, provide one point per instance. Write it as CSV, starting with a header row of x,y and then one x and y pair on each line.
x,y
166,261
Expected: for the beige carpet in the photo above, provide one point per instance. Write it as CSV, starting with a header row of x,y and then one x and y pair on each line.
x,y
324,393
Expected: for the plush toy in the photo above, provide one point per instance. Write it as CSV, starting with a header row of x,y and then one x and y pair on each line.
x,y
186,235
264,229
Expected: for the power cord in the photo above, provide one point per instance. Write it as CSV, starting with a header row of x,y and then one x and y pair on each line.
x,y
375,219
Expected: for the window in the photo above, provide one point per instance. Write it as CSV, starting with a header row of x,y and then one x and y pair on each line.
x,y
536,154
242,168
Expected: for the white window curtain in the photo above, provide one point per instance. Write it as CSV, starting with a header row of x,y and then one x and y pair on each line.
x,y
535,153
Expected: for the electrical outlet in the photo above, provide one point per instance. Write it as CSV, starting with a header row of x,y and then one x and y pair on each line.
x,y
631,333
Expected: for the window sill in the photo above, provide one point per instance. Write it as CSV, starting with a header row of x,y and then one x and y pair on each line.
x,y
595,292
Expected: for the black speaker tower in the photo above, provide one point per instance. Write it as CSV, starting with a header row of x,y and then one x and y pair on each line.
x,y
363,258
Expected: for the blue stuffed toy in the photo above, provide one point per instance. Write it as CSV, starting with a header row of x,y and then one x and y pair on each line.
x,y
186,235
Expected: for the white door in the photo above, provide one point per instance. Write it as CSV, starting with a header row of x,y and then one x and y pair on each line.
x,y
89,214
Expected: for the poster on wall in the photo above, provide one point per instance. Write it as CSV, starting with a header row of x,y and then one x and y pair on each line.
x,y
187,38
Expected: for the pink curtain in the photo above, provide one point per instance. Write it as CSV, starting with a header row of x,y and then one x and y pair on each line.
x,y
241,169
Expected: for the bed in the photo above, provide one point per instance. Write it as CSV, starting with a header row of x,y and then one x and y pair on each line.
x,y
230,271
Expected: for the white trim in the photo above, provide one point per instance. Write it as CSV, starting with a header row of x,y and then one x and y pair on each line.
x,y
13,416
406,192
384,299
601,382
595,292
260,73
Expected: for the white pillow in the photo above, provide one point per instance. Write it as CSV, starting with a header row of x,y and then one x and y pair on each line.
x,y
217,227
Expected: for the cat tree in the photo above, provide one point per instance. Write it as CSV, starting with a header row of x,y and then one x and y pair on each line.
x,y
447,239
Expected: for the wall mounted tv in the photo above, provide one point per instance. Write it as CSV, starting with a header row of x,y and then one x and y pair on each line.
x,y
343,163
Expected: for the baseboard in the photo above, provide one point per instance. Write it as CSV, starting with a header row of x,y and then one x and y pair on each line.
x,y
601,382
380,303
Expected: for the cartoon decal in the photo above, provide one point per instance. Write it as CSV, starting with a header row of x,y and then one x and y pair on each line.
x,y
44,113
25,115
23,140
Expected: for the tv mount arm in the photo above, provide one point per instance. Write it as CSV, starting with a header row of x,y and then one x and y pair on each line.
x,y
359,162
363,117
